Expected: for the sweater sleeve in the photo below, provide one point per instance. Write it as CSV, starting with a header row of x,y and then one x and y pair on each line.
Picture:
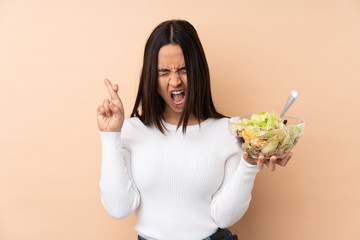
x,y
232,200
119,195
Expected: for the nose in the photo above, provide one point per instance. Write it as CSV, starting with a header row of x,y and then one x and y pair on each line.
x,y
175,79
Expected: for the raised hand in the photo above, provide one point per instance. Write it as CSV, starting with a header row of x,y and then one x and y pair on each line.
x,y
270,163
110,113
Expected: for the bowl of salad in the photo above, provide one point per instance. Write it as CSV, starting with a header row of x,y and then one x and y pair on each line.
x,y
266,133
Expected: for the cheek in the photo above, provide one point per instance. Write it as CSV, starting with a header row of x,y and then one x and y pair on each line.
x,y
161,88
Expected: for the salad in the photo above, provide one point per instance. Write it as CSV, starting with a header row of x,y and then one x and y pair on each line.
x,y
267,134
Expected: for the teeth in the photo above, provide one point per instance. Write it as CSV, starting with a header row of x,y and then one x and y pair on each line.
x,y
177,92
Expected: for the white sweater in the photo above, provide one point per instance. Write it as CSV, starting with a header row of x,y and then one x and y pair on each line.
x,y
183,187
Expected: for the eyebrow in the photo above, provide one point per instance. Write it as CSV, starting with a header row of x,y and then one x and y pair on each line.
x,y
167,70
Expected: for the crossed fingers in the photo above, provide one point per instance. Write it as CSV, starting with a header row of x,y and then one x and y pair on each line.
x,y
112,89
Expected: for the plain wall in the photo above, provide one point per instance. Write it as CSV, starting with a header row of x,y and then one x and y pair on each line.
x,y
54,56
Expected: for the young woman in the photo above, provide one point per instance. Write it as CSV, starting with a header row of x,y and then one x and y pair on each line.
x,y
174,162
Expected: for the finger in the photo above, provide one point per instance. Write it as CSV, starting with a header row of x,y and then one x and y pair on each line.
x,y
118,103
282,162
116,100
100,110
112,92
260,162
246,156
116,88
248,159
272,164
116,110
106,106
113,107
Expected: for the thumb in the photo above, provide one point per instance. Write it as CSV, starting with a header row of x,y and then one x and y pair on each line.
x,y
248,159
246,156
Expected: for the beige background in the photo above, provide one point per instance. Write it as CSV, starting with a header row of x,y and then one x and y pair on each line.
x,y
54,56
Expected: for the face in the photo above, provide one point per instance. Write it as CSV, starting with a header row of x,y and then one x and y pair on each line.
x,y
172,79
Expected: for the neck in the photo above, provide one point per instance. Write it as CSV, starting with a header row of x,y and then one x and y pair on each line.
x,y
174,119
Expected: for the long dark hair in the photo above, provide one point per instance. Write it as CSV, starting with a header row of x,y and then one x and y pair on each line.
x,y
149,105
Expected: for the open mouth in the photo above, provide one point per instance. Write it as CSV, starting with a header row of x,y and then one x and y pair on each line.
x,y
178,97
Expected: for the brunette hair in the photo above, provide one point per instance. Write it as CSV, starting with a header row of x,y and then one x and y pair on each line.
x,y
149,105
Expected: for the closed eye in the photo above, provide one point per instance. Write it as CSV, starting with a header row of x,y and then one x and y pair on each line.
x,y
163,72
182,70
